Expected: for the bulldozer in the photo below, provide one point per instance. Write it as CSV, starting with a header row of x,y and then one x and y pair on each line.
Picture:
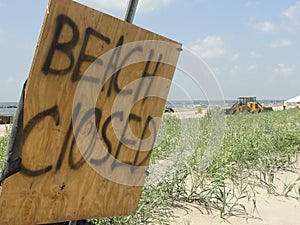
x,y
246,104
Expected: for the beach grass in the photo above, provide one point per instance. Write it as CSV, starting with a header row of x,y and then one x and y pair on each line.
x,y
252,149
3,145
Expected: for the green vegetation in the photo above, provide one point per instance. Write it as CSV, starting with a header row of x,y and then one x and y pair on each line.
x,y
3,145
253,148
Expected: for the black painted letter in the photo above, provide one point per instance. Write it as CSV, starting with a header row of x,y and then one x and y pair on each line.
x,y
63,47
54,113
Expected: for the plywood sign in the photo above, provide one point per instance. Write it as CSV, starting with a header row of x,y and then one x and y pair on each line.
x,y
93,100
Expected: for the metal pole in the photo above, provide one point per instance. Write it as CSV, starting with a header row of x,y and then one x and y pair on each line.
x,y
132,5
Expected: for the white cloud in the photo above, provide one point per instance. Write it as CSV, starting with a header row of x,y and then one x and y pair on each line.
x,y
283,69
254,54
235,70
252,3
152,5
292,14
252,68
236,57
281,44
143,5
208,48
289,21
265,27
13,80
106,4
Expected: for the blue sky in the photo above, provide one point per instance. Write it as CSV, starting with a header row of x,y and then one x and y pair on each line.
x,y
252,46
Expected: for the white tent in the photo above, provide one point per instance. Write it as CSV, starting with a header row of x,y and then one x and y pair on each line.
x,y
293,100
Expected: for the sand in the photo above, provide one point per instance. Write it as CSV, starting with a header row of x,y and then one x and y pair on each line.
x,y
3,129
271,209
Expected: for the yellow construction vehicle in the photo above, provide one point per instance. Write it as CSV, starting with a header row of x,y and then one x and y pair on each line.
x,y
246,104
